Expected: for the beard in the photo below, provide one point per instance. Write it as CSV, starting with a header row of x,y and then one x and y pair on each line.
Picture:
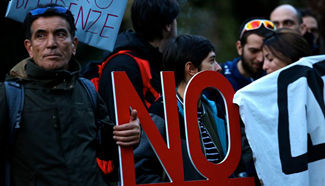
x,y
253,72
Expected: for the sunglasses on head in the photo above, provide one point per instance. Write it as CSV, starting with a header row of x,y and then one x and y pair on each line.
x,y
256,24
57,9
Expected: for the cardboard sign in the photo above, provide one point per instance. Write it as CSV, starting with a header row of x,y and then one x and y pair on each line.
x,y
97,21
170,154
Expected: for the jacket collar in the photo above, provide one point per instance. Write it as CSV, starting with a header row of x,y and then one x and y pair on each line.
x,y
28,71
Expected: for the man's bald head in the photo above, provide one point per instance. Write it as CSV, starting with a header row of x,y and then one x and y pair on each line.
x,y
287,16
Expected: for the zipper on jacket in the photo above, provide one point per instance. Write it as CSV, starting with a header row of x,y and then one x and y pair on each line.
x,y
57,127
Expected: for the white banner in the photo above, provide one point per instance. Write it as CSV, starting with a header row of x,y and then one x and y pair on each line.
x,y
97,21
284,117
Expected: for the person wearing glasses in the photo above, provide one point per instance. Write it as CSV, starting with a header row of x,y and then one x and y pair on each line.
x,y
56,143
186,56
248,66
243,70
282,48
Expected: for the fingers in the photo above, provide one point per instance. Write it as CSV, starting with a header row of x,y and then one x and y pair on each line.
x,y
128,126
126,129
133,115
127,141
128,134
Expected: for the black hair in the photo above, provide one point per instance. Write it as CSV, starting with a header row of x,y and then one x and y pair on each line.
x,y
288,45
307,12
262,31
183,49
29,19
149,17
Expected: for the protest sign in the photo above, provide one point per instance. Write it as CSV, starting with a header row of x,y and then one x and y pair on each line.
x,y
97,21
284,117
169,152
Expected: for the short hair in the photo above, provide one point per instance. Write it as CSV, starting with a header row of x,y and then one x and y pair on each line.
x,y
305,12
287,45
297,12
262,31
49,12
183,49
149,17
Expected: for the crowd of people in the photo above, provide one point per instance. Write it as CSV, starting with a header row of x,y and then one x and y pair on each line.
x,y
61,132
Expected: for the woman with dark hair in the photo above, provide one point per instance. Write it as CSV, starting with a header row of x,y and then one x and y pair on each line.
x,y
283,47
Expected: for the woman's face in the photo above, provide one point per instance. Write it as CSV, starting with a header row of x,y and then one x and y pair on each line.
x,y
210,63
271,63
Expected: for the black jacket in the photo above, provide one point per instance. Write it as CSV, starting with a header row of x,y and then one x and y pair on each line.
x,y
147,166
56,144
140,48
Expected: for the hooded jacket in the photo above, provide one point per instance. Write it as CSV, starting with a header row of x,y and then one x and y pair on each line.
x,y
56,143
139,48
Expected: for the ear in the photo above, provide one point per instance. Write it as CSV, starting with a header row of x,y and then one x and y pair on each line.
x,y
239,48
29,47
74,45
303,28
168,27
190,69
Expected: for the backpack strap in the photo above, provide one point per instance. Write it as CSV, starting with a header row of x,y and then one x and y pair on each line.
x,y
92,94
146,78
15,100
144,71
107,166
101,67
91,91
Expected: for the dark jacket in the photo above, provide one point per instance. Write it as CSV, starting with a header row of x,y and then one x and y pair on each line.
x,y
56,143
231,72
140,48
147,166
245,167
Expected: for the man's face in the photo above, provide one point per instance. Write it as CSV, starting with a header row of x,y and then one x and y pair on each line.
x,y
286,17
51,45
252,54
311,25
174,29
169,33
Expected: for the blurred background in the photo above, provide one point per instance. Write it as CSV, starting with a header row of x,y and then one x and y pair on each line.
x,y
218,20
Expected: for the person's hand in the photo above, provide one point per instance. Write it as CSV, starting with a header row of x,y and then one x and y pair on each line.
x,y
128,134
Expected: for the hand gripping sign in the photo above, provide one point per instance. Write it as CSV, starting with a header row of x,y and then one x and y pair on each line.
x,y
170,154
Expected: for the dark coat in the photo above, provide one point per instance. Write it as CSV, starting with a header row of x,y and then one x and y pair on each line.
x,y
237,80
140,48
56,144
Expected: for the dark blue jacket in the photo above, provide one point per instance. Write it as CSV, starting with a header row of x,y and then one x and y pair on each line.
x,y
238,81
230,71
